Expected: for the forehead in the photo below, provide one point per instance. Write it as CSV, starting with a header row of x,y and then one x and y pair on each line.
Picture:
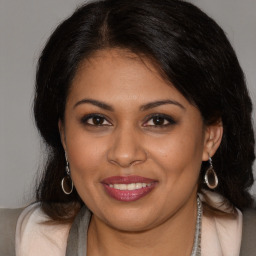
x,y
120,74
119,61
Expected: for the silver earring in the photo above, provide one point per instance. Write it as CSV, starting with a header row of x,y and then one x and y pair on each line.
x,y
210,177
66,182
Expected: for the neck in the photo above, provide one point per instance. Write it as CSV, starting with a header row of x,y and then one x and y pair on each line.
x,y
175,236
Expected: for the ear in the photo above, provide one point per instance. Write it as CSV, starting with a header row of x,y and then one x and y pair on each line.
x,y
62,134
212,140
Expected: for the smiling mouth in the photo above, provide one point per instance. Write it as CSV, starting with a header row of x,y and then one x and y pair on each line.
x,y
131,186
128,188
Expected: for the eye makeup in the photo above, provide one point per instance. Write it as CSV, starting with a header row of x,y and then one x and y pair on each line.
x,y
159,120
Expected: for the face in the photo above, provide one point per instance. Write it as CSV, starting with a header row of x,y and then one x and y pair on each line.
x,y
134,143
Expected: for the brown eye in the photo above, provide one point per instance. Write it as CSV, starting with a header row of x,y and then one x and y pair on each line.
x,y
158,120
95,120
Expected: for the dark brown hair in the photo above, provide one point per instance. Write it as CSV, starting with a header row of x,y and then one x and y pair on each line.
x,y
192,52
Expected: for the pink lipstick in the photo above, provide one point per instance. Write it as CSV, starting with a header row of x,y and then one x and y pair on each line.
x,y
128,188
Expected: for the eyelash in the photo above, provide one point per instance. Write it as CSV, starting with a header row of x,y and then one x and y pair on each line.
x,y
86,118
164,118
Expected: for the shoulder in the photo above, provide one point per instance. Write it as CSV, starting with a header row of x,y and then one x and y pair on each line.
x,y
8,222
32,233
248,246
24,232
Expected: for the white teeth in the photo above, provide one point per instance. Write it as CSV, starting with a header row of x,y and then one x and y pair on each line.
x,y
122,187
138,185
131,186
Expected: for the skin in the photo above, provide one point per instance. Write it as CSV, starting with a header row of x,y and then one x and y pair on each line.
x,y
126,141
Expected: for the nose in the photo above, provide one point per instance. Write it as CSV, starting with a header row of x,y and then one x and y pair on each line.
x,y
126,148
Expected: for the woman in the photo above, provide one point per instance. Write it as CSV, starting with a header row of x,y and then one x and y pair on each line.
x,y
147,119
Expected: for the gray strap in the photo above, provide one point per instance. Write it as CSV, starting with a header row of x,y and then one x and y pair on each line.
x,y
248,246
77,239
8,221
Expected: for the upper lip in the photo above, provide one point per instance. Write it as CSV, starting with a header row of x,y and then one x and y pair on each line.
x,y
127,180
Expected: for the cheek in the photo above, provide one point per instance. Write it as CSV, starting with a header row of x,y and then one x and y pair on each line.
x,y
86,153
86,162
179,154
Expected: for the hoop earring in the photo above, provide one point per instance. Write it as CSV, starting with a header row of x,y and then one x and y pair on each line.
x,y
210,177
67,183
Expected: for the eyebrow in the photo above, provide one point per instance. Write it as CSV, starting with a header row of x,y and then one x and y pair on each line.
x,y
97,103
145,107
159,103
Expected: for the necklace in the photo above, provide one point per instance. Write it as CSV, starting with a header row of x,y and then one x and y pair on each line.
x,y
79,228
196,251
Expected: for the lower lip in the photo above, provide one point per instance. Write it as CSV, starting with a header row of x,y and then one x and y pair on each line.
x,y
128,195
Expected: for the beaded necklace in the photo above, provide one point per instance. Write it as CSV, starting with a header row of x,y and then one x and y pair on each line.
x,y
196,251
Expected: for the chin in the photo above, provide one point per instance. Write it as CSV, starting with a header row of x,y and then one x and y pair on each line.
x,y
129,220
130,225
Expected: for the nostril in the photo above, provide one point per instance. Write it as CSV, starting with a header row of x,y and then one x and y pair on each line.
x,y
127,159
125,163
126,148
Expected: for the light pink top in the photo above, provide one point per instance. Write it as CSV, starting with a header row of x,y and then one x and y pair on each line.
x,y
220,237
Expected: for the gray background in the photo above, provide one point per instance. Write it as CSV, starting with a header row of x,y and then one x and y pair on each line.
x,y
24,27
